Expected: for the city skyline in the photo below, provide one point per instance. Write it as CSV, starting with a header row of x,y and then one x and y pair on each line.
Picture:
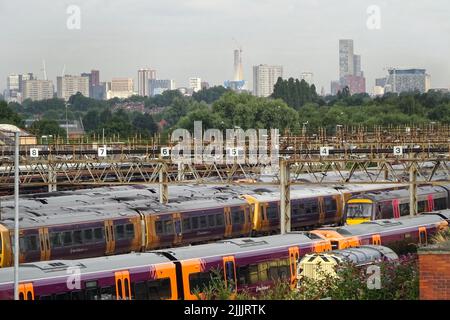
x,y
410,36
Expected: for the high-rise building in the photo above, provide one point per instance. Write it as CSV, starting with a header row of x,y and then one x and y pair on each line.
x,y
407,80
346,58
158,86
37,89
13,82
120,88
335,87
144,75
264,78
195,84
14,86
350,73
308,77
68,86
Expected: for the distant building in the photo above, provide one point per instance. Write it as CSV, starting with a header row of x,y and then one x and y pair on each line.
x,y
14,86
195,84
38,90
407,80
94,81
68,86
264,78
158,86
205,85
356,84
121,88
346,58
144,75
335,87
308,77
99,91
238,70
7,136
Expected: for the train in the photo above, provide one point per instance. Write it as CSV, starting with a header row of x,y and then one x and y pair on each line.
x,y
245,264
117,220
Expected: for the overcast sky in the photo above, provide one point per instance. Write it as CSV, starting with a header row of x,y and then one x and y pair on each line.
x,y
183,38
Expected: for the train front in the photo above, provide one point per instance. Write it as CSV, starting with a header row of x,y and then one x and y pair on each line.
x,y
358,211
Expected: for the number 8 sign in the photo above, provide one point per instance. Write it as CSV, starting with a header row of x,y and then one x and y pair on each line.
x,y
34,152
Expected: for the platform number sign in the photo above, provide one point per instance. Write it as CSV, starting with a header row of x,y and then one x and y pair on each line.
x,y
34,152
102,152
165,152
234,152
324,151
398,151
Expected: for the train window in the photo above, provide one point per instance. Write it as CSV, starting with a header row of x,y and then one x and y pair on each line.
x,y
404,209
253,273
330,204
219,220
159,289
235,217
440,204
67,238
55,239
77,237
186,224
272,212
203,223
194,223
120,231
387,211
29,295
76,295
273,270
91,294
21,296
109,293
98,234
159,227
88,236
301,208
126,285
211,221
29,243
140,291
309,208
243,275
168,227
262,271
314,207
199,281
129,231
62,296
421,206
295,211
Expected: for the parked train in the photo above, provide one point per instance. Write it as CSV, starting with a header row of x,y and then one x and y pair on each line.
x,y
251,264
107,221
383,204
110,221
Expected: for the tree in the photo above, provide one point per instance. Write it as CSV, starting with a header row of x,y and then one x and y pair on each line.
x,y
144,124
47,127
9,116
210,95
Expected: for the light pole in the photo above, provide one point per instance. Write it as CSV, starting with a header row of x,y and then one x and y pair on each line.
x,y
16,216
67,125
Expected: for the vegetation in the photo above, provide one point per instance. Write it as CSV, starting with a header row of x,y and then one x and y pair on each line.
x,y
9,116
399,281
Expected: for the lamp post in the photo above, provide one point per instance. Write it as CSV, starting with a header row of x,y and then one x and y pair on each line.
x,y
67,125
16,216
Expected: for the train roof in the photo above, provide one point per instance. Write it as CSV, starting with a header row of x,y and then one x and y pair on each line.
x,y
375,226
399,193
241,245
59,268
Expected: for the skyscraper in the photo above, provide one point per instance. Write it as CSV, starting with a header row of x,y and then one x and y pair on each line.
x,y
144,75
350,73
346,59
308,77
120,88
264,78
195,84
158,86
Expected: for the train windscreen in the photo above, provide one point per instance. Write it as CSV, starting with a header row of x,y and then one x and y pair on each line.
x,y
359,210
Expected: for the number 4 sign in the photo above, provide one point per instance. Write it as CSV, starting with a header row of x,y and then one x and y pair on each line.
x,y
324,151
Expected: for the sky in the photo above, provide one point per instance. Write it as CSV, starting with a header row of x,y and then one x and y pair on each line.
x,y
196,38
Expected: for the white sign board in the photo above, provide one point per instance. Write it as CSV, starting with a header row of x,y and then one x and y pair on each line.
x,y
324,151
102,152
165,152
235,152
34,152
398,151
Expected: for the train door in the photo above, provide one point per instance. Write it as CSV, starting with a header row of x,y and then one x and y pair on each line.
x,y
109,237
123,287
396,208
26,291
265,224
321,211
229,270
430,202
294,254
228,224
376,240
178,236
44,242
423,236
